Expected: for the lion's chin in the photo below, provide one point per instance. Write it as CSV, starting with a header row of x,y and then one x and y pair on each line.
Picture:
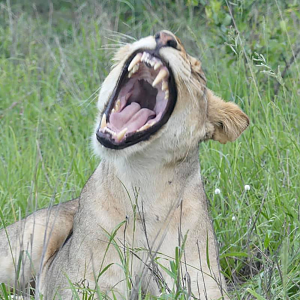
x,y
141,103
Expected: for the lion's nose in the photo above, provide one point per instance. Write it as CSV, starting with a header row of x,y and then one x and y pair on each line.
x,y
164,39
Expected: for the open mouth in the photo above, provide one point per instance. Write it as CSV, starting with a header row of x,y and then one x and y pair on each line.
x,y
142,101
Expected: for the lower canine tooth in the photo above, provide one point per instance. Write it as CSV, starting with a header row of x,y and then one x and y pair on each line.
x,y
121,134
103,121
160,76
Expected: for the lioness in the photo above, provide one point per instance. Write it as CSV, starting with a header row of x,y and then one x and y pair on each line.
x,y
145,198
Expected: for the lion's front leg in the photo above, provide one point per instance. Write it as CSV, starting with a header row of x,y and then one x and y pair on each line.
x,y
26,245
199,274
201,263
196,248
206,280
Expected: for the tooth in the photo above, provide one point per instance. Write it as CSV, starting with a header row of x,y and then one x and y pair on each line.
x,y
157,65
164,85
117,105
160,76
110,131
166,95
103,121
121,134
129,74
152,63
146,126
136,60
144,56
135,68
113,111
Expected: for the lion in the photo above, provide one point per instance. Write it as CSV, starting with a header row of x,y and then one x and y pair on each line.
x,y
145,204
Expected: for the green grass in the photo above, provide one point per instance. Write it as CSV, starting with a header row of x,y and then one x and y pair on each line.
x,y
52,62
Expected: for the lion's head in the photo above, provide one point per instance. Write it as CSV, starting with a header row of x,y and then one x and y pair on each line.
x,y
155,97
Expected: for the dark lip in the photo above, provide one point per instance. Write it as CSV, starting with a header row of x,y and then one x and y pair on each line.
x,y
137,137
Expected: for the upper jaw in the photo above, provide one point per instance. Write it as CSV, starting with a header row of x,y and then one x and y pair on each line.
x,y
141,103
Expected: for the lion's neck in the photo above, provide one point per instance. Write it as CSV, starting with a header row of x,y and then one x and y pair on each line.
x,y
154,187
151,180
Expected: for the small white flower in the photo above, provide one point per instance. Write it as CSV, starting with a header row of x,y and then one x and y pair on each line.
x,y
233,218
247,187
217,191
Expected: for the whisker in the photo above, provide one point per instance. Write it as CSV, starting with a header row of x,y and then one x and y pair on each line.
x,y
116,33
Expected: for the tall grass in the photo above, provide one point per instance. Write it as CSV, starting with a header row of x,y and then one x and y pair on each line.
x,y
53,58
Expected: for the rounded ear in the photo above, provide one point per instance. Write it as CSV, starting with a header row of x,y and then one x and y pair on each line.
x,y
226,121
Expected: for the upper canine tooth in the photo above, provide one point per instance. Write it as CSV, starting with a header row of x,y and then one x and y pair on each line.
x,y
136,60
121,134
160,76
157,65
164,85
103,121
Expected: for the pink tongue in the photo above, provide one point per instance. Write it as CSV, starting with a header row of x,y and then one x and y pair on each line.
x,y
131,117
119,119
139,119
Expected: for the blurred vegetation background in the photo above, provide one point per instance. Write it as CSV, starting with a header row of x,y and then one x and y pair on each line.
x,y
54,56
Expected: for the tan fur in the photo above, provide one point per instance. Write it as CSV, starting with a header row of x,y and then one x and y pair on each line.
x,y
153,187
227,119
32,239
